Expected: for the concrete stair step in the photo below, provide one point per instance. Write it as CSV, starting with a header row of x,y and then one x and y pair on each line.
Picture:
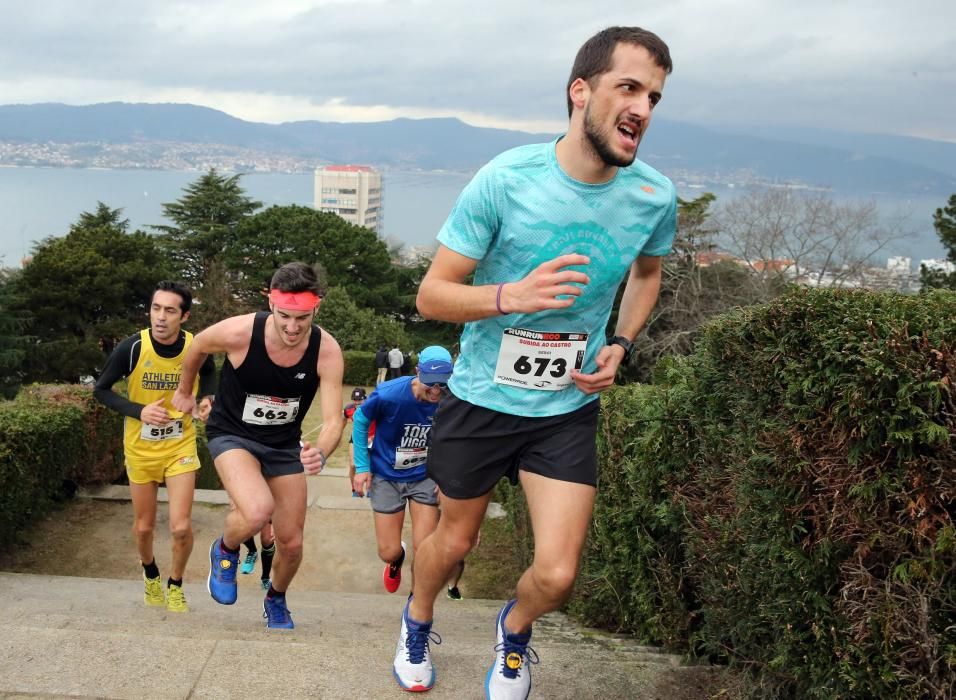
x,y
86,637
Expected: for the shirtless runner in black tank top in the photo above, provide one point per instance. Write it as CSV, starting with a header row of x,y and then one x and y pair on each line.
x,y
275,364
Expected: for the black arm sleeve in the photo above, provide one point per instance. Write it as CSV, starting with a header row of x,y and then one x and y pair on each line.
x,y
207,377
118,366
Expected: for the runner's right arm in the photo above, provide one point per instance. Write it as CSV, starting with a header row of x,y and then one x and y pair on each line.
x,y
119,365
230,336
443,294
363,463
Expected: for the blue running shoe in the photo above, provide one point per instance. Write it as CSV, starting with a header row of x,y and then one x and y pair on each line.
x,y
249,563
509,677
276,613
265,583
412,667
221,583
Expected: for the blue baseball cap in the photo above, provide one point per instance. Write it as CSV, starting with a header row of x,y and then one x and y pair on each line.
x,y
434,365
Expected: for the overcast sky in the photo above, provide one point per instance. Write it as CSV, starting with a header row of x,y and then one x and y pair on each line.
x,y
879,66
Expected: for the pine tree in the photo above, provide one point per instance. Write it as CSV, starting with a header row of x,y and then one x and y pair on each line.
x,y
944,221
205,219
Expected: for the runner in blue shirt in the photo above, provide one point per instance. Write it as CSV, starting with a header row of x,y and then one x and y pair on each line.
x,y
393,470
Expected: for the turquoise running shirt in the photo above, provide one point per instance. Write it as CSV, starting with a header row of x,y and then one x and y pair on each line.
x,y
520,210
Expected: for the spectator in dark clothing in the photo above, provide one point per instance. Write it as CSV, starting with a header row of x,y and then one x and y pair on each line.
x,y
381,364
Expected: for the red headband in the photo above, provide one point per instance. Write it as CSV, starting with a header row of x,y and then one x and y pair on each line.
x,y
294,301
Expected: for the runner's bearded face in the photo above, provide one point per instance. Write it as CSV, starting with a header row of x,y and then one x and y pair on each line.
x,y
621,104
166,316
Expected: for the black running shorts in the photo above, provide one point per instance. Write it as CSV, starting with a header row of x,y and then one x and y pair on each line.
x,y
473,447
273,461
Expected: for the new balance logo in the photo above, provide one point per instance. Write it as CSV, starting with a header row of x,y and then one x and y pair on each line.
x,y
300,375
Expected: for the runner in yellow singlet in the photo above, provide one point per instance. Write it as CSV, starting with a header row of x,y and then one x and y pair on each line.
x,y
159,442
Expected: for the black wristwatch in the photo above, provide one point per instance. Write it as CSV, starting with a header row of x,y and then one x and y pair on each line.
x,y
624,343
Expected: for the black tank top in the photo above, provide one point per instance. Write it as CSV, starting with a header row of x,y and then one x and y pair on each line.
x,y
260,400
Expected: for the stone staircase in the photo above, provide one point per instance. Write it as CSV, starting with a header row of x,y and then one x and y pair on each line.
x,y
68,636
85,637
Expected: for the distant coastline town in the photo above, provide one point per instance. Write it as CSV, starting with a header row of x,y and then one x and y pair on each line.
x,y
152,155
200,157
359,205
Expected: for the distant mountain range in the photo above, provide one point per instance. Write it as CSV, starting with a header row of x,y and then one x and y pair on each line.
x,y
862,163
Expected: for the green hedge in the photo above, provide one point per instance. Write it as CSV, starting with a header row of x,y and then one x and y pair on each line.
x,y
359,368
782,499
52,439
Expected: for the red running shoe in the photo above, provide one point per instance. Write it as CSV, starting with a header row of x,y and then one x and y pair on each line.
x,y
392,576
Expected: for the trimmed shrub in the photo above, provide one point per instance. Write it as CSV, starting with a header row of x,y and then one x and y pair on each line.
x,y
818,497
632,576
359,368
356,327
52,439
782,499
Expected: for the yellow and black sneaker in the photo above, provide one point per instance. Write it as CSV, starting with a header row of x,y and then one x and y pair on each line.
x,y
153,596
176,599
509,677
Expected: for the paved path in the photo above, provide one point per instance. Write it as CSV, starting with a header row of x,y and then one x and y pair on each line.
x,y
67,636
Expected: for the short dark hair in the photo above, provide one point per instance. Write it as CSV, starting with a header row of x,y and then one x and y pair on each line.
x,y
595,55
186,297
296,277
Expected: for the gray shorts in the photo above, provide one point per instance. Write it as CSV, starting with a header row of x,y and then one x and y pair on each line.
x,y
273,461
389,497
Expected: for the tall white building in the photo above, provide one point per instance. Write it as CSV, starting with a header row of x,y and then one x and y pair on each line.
x,y
354,192
898,265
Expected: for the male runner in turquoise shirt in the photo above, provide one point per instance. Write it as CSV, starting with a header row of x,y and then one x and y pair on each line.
x,y
550,231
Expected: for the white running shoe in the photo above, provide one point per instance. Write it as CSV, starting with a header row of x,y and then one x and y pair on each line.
x,y
509,677
412,667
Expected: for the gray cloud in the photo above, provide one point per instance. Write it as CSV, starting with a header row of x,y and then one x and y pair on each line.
x,y
873,66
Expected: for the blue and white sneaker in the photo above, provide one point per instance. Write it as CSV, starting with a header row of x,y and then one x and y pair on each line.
x,y
221,582
249,563
412,667
276,613
509,677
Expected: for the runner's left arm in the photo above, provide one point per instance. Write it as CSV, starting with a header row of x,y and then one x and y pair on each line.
x,y
331,367
640,296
